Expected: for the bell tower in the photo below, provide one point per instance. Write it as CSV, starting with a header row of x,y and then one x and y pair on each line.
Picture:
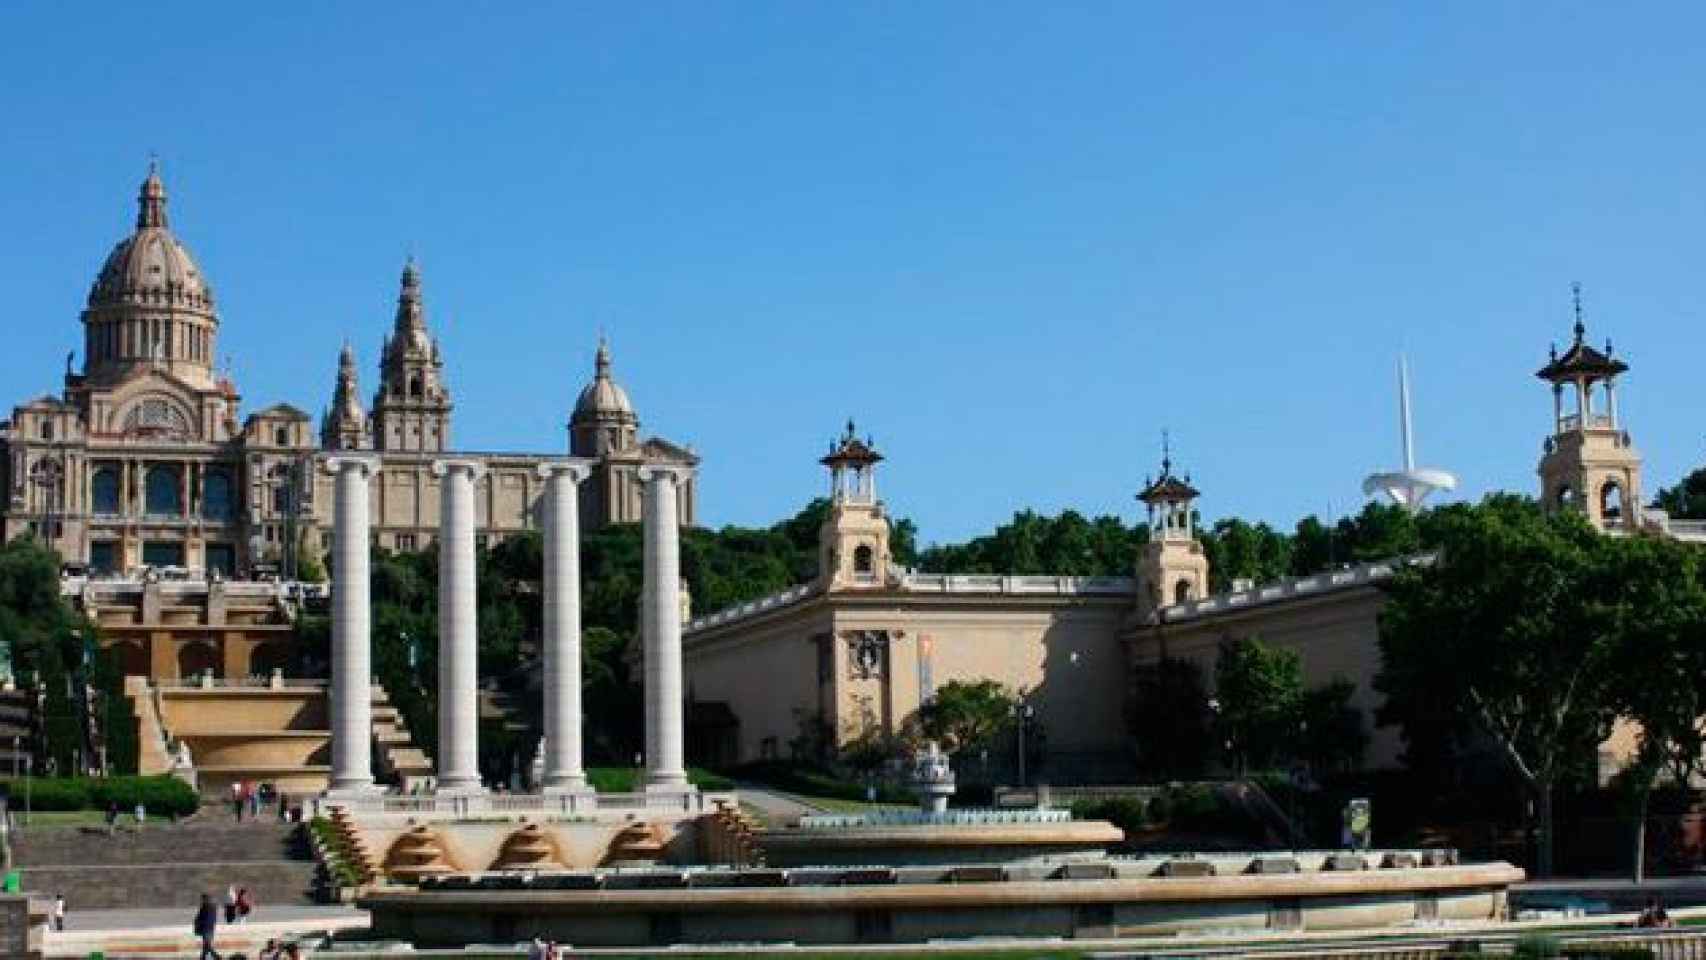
x,y
853,543
1589,463
411,410
1172,567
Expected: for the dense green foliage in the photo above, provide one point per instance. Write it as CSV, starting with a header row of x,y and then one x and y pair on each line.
x,y
48,644
1533,633
1686,500
1067,545
161,796
967,714
1171,725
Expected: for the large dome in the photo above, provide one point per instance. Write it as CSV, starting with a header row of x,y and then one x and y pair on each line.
x,y
603,397
150,267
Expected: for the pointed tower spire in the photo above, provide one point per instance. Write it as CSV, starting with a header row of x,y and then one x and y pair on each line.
x,y
410,316
601,362
151,199
1576,295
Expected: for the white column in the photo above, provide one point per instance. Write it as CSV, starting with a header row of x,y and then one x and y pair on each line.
x,y
352,656
458,691
661,621
560,507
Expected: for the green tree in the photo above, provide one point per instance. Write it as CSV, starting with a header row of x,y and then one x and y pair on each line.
x,y
1238,550
1171,725
1258,689
1686,500
1513,632
1660,683
966,714
1331,734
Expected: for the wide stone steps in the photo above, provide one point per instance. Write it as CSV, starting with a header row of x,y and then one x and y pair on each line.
x,y
167,865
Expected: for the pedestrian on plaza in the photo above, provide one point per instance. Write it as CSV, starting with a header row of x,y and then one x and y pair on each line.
x,y
59,913
283,808
254,805
536,949
112,817
206,925
230,904
141,814
237,799
245,905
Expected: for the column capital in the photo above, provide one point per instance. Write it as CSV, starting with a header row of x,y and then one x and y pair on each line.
x,y
474,468
575,470
674,472
368,464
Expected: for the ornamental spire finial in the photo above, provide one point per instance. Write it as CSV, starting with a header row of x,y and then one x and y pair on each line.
x,y
151,200
1576,295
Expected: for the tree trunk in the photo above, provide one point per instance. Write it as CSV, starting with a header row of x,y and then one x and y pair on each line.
x,y
1543,839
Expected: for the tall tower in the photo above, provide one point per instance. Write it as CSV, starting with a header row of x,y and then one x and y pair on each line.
x,y
1589,463
1411,485
150,307
345,426
411,410
853,543
1171,567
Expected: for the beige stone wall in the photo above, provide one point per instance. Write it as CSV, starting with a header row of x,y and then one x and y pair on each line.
x,y
1064,653
1335,635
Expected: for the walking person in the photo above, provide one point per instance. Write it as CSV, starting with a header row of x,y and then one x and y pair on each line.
x,y
112,817
237,799
141,814
59,913
245,905
230,904
206,925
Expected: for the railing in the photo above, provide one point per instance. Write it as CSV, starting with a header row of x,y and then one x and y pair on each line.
x,y
918,818
1017,586
566,804
774,601
1291,587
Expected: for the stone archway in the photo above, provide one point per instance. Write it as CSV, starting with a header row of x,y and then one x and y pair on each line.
x,y
267,657
197,657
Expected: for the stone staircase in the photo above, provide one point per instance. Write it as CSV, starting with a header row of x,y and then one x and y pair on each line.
x,y
394,750
167,865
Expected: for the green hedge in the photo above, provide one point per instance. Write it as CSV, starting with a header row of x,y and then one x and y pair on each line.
x,y
630,780
1127,813
162,795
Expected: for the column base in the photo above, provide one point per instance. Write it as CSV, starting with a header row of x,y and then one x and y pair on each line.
x,y
667,781
459,787
565,783
352,790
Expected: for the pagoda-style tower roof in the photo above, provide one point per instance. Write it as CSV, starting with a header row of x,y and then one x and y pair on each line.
x,y
850,451
1581,361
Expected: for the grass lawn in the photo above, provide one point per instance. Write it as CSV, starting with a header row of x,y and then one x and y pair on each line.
x,y
78,818
627,779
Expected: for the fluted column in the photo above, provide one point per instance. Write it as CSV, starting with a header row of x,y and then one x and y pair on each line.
x,y
661,622
352,655
562,627
458,645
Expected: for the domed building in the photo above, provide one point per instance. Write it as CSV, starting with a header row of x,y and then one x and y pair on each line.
x,y
142,462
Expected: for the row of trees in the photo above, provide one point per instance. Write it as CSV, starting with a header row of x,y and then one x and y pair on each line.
x,y
1533,634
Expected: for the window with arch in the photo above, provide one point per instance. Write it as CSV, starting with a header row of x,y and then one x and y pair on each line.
x,y
1182,591
162,494
1611,500
281,436
47,429
415,385
864,559
103,491
217,500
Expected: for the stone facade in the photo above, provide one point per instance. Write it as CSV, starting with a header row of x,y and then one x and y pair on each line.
x,y
143,459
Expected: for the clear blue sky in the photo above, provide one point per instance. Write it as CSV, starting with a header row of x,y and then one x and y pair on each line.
x,y
1015,241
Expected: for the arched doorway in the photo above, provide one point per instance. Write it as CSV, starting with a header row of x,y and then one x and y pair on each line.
x,y
1611,501
268,657
196,658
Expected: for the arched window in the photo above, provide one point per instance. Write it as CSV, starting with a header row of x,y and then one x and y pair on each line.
x,y
217,502
1182,591
47,429
162,496
863,559
281,436
103,490
415,385
1611,500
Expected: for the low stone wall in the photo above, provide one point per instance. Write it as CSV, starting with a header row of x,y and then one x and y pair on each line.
x,y
938,843
23,925
916,904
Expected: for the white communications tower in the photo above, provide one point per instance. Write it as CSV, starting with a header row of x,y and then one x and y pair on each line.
x,y
1410,486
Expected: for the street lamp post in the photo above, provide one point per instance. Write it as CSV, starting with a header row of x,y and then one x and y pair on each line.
x,y
1024,712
